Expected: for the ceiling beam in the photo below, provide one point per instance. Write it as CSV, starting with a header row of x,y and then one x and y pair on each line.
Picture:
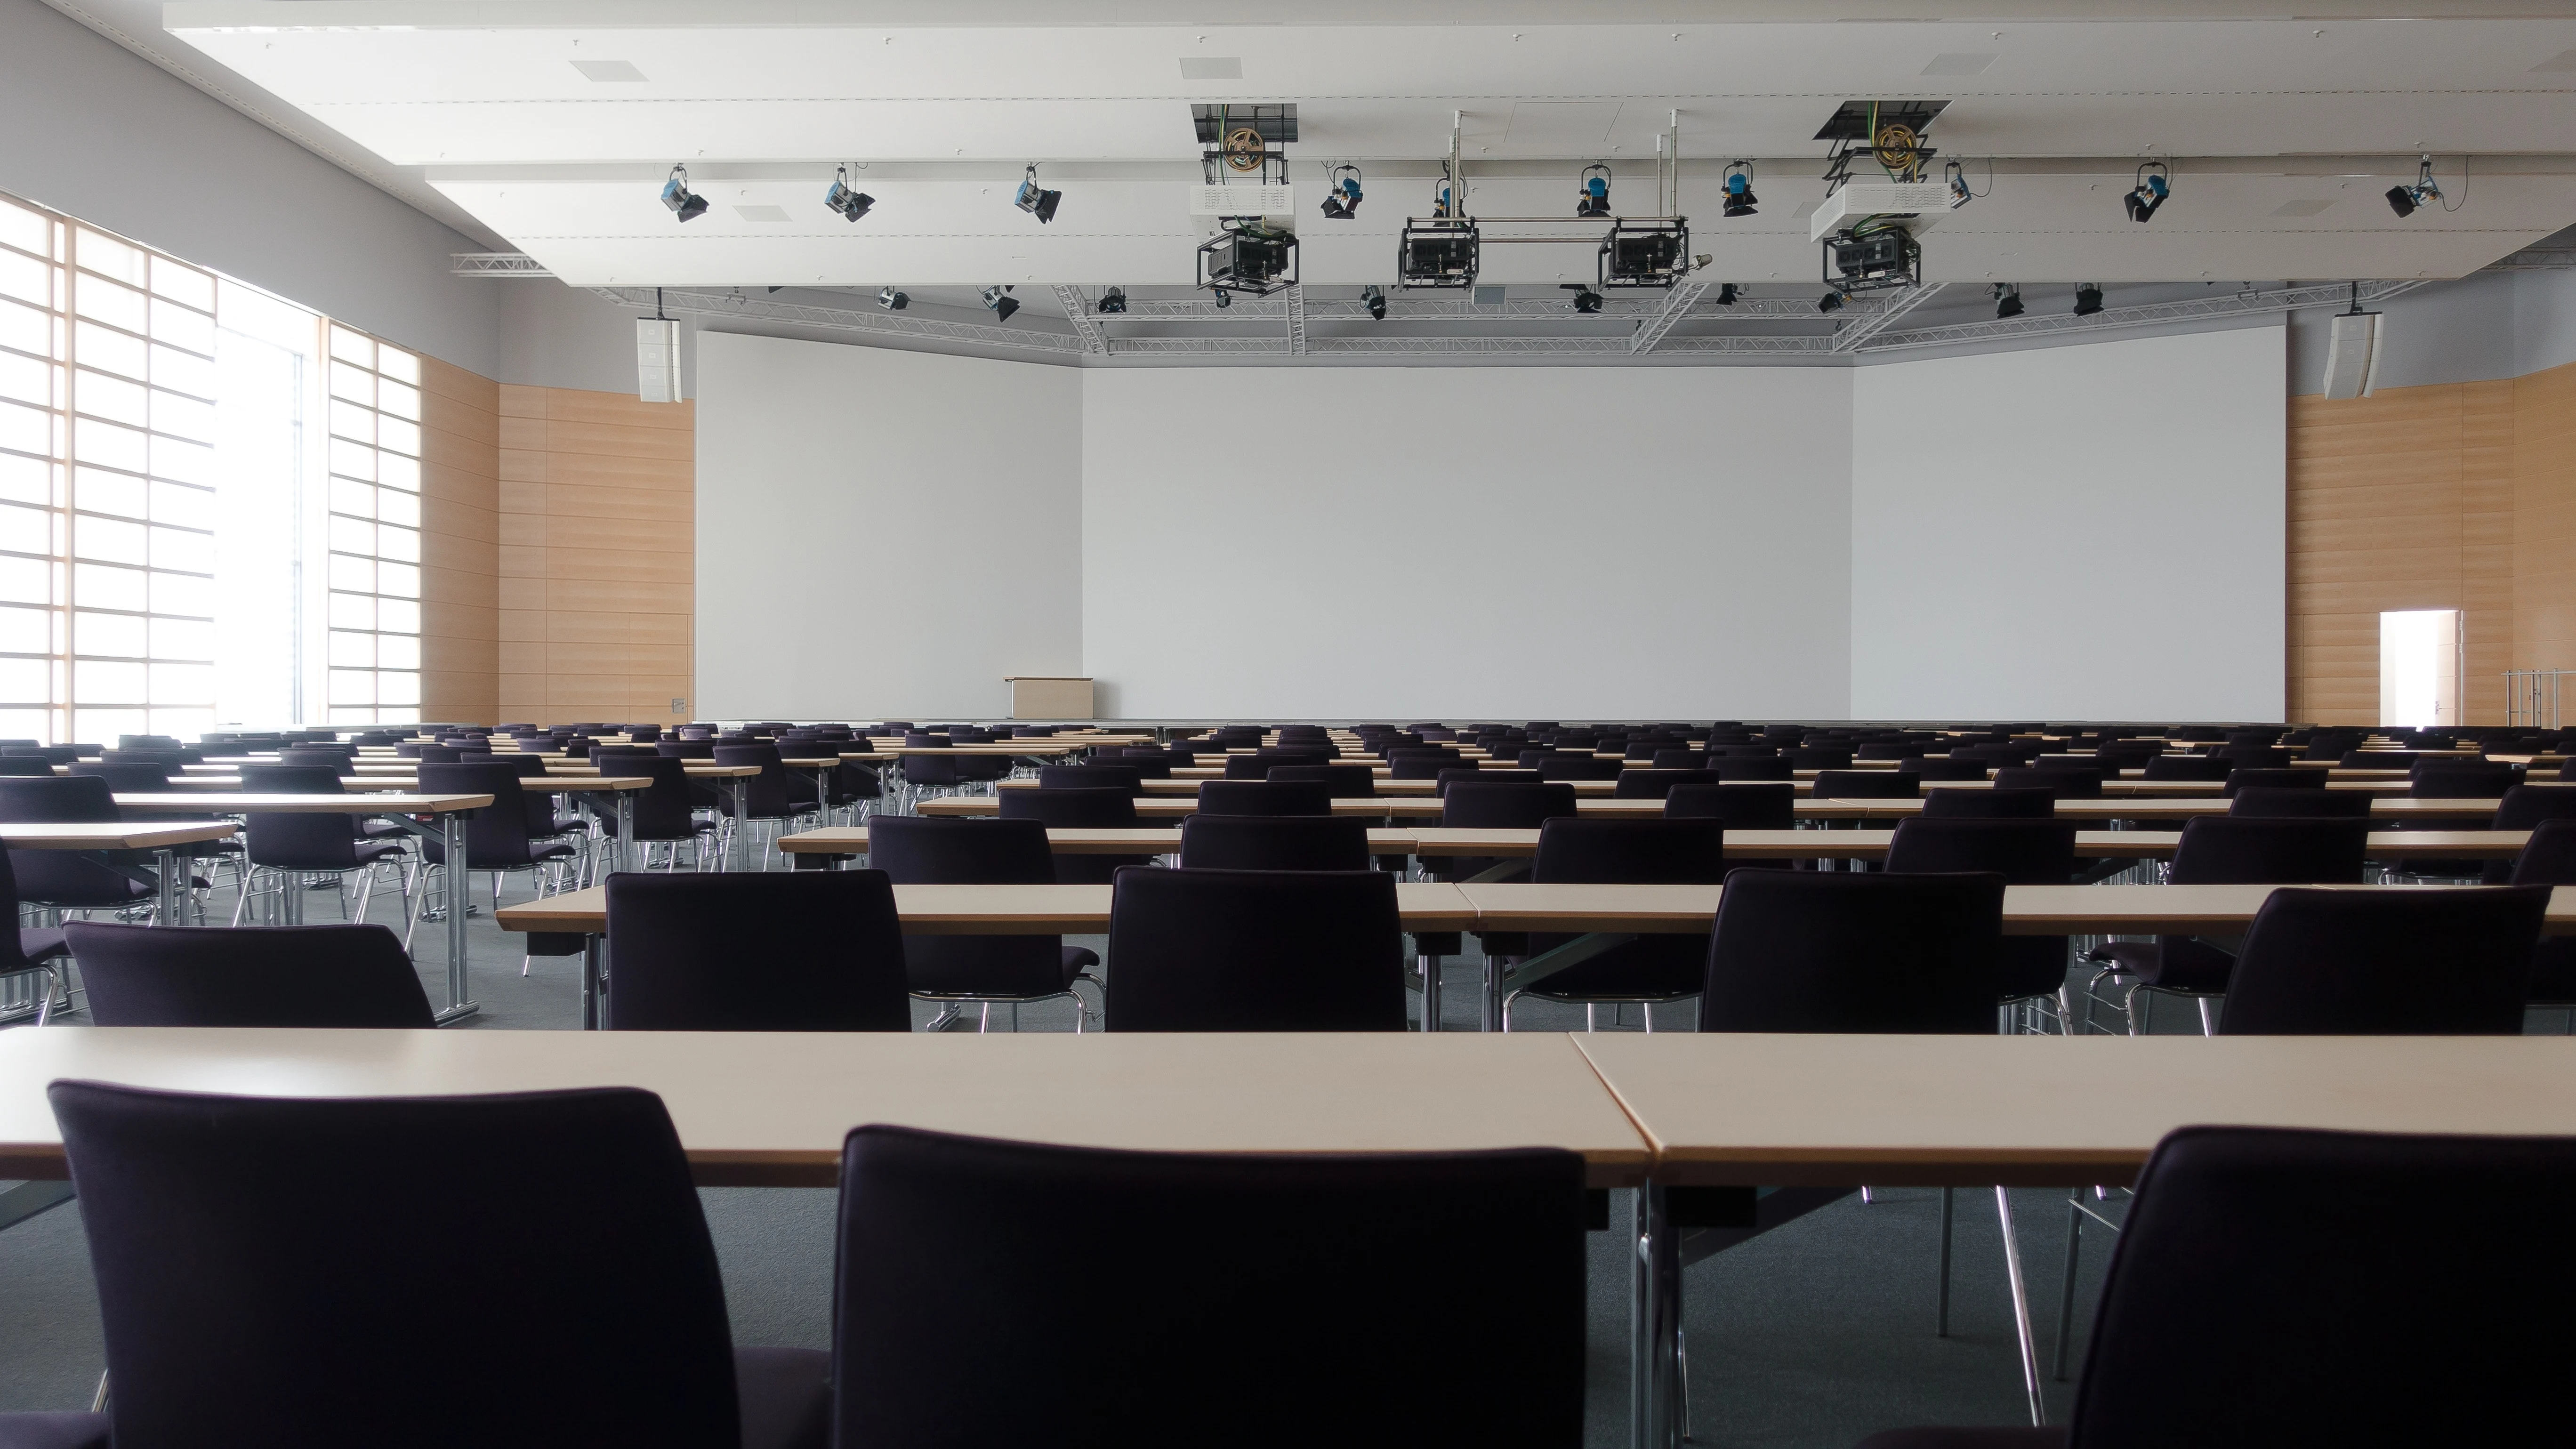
x,y
883,324
2052,324
1078,311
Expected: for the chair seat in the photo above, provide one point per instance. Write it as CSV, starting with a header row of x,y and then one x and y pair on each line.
x,y
38,943
1655,968
65,1430
372,851
785,1393
1078,959
2007,1437
2170,963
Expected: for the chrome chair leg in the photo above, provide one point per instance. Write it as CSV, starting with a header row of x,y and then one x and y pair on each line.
x,y
2021,1310
1941,1294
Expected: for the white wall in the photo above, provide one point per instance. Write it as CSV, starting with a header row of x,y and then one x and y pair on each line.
x,y
882,534
98,133
2087,532
1506,542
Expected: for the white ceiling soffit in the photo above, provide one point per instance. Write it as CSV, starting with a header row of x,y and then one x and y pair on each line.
x,y
945,101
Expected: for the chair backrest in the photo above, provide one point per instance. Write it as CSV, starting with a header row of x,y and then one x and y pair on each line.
x,y
1265,797
337,760
1420,767
1092,777
2289,777
495,836
2275,802
2222,850
950,1241
1594,850
1753,805
1510,805
2066,782
1255,950
1865,785
2354,963
686,749
2022,851
57,800
2028,803
131,779
310,976
1246,842
818,950
2186,767
1753,767
930,850
261,1275
1837,952
1657,784
1346,782
662,810
1579,767
2549,857
2235,1273
767,795
2468,781
30,765
1478,775
1944,767
1111,807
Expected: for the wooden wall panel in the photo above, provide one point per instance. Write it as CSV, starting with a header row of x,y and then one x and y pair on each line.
x,y
596,557
459,545
2544,508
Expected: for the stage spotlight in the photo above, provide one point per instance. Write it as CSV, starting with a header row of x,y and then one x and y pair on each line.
x,y
999,298
1112,303
2007,300
1375,297
1034,199
1740,200
850,204
1726,294
1586,300
1224,298
1592,191
1830,302
1955,177
2405,200
676,195
2152,189
1341,193
2088,298
892,300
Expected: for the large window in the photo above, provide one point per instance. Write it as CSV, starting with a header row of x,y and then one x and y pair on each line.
x,y
179,547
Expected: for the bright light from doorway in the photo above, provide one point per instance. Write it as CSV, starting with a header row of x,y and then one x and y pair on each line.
x,y
2419,668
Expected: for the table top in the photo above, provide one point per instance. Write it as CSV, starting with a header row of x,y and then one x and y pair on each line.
x,y
111,835
987,910
373,804
2029,910
2046,1110
771,1108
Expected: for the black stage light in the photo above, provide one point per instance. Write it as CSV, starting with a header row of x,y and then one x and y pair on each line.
x,y
1341,193
2401,201
1586,300
892,300
1375,297
676,195
1740,200
841,198
2407,200
1830,302
2150,192
2088,298
2007,300
1224,298
999,298
1726,294
1112,303
1592,191
1034,199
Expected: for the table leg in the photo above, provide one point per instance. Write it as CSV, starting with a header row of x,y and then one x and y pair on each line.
x,y
166,913
590,983
460,890
621,855
1654,1321
1493,992
741,825
1430,991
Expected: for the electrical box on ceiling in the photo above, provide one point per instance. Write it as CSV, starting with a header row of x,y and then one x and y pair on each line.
x,y
2352,354
1850,203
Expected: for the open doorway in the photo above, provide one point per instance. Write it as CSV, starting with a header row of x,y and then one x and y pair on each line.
x,y
2419,668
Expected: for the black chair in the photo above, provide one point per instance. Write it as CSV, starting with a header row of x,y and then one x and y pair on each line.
x,y
1495,805
2028,803
1760,767
1476,775
2275,802
2023,852
778,795
1580,767
1658,784
755,951
1595,851
2289,777
1865,785
1245,842
2362,963
498,838
2462,781
1108,807
948,1241
1253,950
2065,782
304,976
261,1277
664,813
2186,767
981,971
31,966
1265,797
292,844
1755,805
2223,850
2236,1273
62,879
1345,782
1129,778
1944,768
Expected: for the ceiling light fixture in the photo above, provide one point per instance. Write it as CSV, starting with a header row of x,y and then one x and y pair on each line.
x,y
1341,193
1955,177
2088,298
998,297
1740,200
1112,303
892,300
1726,294
850,203
1592,191
2405,200
687,204
1375,298
1586,300
2007,300
2154,185
1034,199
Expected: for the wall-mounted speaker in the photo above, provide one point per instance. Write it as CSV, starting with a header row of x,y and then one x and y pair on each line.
x,y
657,359
2352,354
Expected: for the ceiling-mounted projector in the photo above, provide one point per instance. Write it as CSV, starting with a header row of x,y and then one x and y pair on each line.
x,y
1854,200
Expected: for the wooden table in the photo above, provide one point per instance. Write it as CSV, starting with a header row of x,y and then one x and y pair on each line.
x,y
97,839
447,811
772,1108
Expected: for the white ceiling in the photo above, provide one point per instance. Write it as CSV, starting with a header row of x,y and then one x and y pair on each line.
x,y
946,101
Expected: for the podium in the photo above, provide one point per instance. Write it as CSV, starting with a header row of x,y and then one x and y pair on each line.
x,y
1049,697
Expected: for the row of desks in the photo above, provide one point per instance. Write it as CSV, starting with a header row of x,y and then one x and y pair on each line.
x,y
1417,807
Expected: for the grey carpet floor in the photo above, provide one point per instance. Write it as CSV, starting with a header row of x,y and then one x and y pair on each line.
x,y
1815,1334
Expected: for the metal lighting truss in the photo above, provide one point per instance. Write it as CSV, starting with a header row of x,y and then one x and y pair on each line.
x,y
882,324
1085,326
1454,309
497,264
1856,333
2233,304
1677,302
